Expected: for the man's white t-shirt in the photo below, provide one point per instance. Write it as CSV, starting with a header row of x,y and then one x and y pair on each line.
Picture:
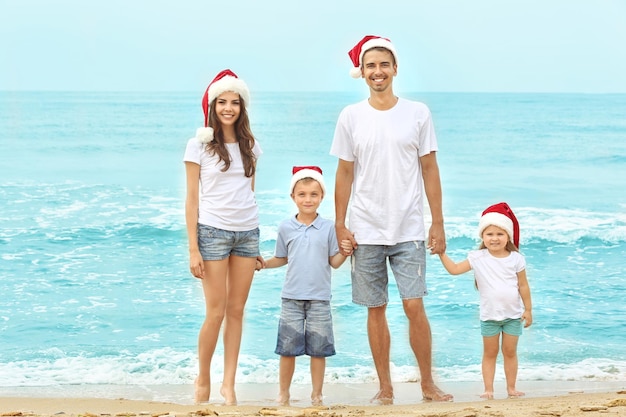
x,y
387,191
227,201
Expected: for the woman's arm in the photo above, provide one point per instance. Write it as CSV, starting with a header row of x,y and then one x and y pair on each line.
x,y
196,264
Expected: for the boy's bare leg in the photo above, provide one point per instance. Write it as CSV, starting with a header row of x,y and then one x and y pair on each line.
x,y
287,368
318,367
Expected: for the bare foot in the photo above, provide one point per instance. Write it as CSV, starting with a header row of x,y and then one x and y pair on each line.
x,y
383,397
513,393
433,393
202,392
230,398
487,395
283,399
317,400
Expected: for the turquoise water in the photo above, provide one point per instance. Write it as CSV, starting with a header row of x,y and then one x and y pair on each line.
x,y
93,258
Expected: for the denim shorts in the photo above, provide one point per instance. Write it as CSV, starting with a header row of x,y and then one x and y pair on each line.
x,y
490,328
217,244
370,280
305,327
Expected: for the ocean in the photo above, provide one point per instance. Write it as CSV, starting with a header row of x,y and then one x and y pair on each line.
x,y
94,280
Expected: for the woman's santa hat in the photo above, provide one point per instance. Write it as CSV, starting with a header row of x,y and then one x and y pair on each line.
x,y
364,45
226,80
300,173
502,216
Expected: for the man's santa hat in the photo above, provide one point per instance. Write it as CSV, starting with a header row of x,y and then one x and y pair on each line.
x,y
502,216
365,44
300,173
226,80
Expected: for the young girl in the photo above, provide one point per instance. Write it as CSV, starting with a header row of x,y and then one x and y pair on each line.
x,y
500,277
222,223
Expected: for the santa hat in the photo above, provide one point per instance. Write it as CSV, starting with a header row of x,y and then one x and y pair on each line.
x,y
226,80
300,173
502,216
365,44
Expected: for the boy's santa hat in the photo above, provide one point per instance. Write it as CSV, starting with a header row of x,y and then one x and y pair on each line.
x,y
502,216
365,44
300,173
226,80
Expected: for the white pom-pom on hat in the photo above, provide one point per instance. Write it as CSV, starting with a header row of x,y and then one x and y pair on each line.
x,y
368,42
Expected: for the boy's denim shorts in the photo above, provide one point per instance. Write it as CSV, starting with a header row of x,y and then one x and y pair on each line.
x,y
490,328
305,327
217,244
370,280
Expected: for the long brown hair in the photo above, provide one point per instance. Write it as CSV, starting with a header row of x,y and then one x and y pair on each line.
x,y
245,138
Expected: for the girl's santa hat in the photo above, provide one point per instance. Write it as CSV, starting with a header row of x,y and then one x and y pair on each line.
x,y
364,45
226,80
502,216
300,173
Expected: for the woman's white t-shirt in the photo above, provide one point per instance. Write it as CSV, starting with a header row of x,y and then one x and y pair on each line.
x,y
227,200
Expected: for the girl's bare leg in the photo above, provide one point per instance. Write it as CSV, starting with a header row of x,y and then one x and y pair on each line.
x,y
491,346
238,282
287,368
318,367
214,288
509,352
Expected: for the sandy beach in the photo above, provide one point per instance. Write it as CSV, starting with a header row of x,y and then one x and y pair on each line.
x,y
566,400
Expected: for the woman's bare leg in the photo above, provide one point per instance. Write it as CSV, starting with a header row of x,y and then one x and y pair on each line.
x,y
238,282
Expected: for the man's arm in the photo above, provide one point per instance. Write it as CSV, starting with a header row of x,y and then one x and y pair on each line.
x,y
343,188
432,186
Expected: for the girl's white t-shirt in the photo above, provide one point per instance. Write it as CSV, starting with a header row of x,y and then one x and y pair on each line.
x,y
496,279
227,200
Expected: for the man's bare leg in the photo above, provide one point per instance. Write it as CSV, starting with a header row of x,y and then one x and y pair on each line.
x,y
380,342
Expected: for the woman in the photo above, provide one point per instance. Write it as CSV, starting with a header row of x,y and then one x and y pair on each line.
x,y
222,223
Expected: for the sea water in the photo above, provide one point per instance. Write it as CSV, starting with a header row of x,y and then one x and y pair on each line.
x,y
94,280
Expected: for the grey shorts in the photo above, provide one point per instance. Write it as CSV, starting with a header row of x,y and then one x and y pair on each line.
x,y
217,244
370,280
305,327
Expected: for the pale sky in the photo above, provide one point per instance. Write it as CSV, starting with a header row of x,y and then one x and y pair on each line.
x,y
302,45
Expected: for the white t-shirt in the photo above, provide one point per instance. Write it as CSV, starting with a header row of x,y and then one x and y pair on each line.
x,y
227,201
498,285
387,191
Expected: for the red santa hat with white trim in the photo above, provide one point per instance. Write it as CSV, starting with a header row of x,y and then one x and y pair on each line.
x,y
225,80
302,172
502,216
368,42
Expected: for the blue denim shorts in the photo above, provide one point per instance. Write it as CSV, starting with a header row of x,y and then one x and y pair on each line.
x,y
490,328
217,244
370,280
305,327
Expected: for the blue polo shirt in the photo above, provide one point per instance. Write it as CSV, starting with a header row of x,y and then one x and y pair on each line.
x,y
307,249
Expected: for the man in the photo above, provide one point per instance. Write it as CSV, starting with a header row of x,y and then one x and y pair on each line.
x,y
387,159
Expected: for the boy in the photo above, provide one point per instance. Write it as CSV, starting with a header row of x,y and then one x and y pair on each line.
x,y
307,244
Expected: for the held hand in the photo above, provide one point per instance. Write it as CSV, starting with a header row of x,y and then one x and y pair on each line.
x,y
346,247
260,263
196,264
527,318
344,234
436,242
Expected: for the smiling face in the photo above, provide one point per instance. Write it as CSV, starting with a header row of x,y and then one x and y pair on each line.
x,y
307,194
228,108
495,239
379,68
